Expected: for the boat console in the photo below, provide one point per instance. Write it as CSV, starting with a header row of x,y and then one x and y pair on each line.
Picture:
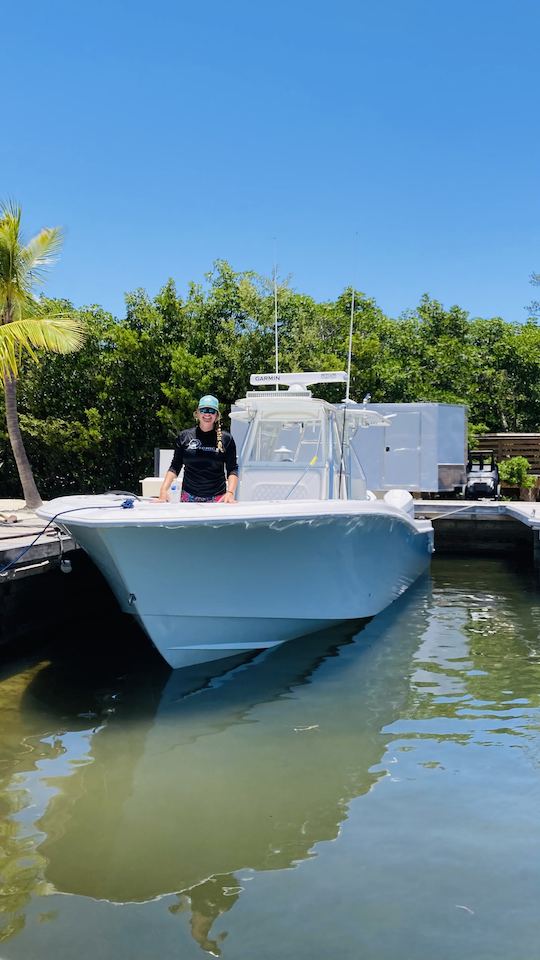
x,y
292,445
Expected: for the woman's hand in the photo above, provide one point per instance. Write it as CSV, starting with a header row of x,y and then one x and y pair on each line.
x,y
227,497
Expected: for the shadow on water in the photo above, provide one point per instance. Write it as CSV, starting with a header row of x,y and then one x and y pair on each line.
x,y
146,781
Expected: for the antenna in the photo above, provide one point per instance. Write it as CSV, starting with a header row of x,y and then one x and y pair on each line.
x,y
348,391
276,318
347,395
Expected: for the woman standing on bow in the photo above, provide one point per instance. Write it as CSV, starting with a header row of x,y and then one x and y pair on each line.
x,y
208,455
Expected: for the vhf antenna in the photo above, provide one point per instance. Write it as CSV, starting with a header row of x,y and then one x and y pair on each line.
x,y
348,391
276,317
347,395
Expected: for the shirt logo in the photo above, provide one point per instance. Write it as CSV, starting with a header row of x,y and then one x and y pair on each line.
x,y
193,445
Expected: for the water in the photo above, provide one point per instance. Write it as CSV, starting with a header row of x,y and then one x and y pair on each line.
x,y
371,796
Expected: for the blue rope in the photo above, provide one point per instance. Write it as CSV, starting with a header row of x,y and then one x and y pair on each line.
x,y
125,505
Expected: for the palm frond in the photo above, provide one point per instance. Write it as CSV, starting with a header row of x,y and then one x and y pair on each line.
x,y
19,303
40,252
14,283
10,219
59,333
22,266
11,207
8,359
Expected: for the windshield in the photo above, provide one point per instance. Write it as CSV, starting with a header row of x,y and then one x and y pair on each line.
x,y
286,441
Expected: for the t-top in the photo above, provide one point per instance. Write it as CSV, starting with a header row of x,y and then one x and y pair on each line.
x,y
205,467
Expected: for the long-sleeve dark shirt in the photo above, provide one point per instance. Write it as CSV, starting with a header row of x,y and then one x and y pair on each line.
x,y
205,468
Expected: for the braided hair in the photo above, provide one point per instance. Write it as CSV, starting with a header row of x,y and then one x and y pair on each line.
x,y
219,434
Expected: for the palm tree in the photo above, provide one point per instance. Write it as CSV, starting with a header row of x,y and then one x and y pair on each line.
x,y
24,323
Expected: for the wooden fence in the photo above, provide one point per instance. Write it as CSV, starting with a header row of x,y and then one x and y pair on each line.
x,y
506,445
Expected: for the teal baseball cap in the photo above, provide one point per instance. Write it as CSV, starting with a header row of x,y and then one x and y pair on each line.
x,y
209,401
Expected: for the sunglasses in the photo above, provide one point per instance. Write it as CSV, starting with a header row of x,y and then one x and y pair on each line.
x,y
207,410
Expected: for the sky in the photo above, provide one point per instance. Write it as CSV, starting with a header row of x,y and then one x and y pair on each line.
x,y
393,144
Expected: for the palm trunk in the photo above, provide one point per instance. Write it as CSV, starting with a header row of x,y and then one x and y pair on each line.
x,y
30,491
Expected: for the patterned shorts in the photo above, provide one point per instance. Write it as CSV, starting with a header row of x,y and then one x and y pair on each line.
x,y
186,497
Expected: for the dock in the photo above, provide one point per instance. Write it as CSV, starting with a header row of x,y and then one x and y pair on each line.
x,y
484,526
25,543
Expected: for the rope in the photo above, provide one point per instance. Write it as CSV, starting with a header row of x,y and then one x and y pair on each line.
x,y
444,516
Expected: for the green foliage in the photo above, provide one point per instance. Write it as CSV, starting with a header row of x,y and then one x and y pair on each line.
x,y
474,432
515,471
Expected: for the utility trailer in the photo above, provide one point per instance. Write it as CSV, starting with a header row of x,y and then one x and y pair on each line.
x,y
424,449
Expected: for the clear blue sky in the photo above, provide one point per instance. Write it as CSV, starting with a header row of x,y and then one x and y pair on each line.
x,y
392,143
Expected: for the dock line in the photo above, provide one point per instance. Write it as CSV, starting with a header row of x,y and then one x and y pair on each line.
x,y
452,513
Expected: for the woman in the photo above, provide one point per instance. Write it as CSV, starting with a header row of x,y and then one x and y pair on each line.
x,y
208,455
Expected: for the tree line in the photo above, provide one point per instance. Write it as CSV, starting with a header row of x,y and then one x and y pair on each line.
x,y
90,419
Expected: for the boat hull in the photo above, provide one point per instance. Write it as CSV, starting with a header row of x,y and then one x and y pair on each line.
x,y
214,584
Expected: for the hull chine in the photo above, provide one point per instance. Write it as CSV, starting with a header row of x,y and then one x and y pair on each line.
x,y
183,641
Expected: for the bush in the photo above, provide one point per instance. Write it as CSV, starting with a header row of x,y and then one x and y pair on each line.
x,y
515,471
475,431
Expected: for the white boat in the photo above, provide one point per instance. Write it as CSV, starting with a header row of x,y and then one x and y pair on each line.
x,y
306,546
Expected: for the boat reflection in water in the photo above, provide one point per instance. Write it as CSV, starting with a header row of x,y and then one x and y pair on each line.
x,y
196,782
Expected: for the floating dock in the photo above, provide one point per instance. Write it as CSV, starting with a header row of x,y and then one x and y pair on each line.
x,y
484,526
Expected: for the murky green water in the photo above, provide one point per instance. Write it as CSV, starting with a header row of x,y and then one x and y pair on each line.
x,y
373,796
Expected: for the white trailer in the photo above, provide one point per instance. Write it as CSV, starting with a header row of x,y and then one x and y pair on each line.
x,y
423,450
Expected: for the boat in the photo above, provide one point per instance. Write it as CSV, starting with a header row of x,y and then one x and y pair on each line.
x,y
306,545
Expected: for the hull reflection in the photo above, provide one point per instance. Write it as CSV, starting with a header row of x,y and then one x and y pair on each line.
x,y
186,788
